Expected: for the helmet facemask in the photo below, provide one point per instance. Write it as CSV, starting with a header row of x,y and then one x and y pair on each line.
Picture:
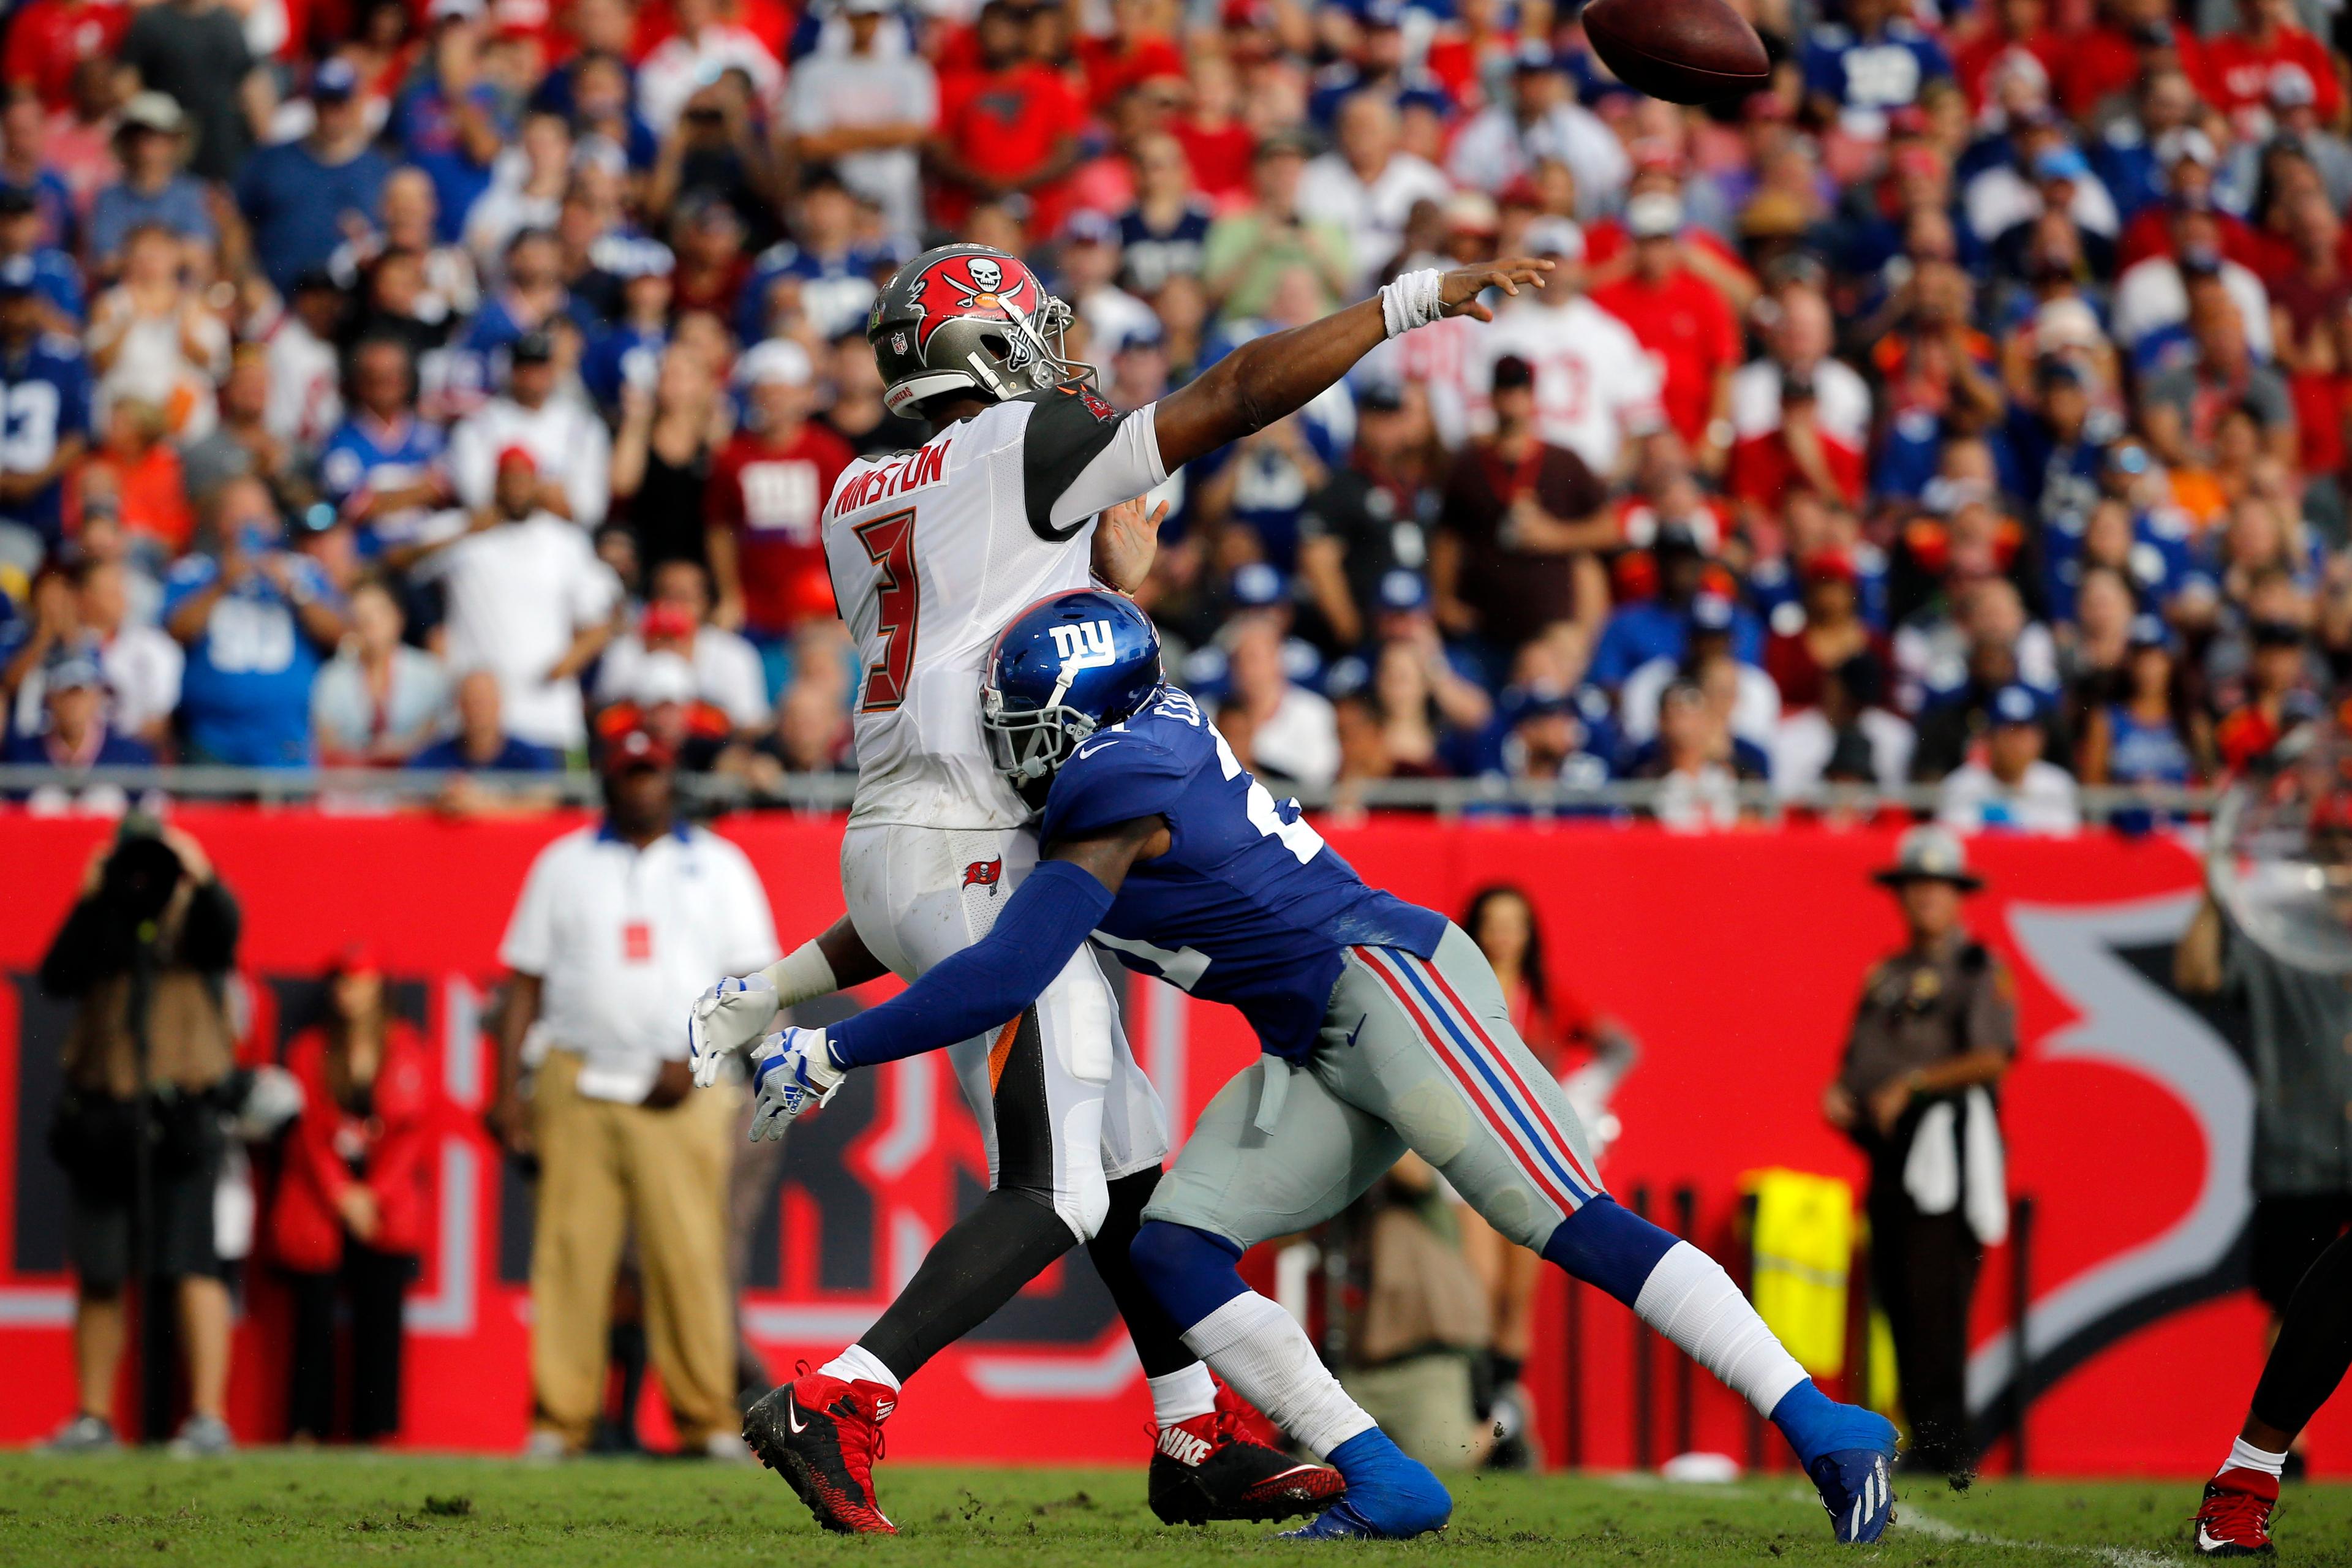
x,y
1027,745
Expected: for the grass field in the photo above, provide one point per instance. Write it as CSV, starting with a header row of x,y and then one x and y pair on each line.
x,y
290,1508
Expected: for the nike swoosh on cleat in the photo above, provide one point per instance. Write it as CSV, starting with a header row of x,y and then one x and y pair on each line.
x,y
793,1413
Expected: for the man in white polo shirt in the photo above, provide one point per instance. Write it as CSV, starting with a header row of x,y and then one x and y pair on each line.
x,y
619,928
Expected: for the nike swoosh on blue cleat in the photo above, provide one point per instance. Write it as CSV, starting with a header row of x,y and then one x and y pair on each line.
x,y
1857,1487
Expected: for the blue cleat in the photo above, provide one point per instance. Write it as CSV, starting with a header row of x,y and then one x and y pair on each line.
x,y
1389,1496
1857,1487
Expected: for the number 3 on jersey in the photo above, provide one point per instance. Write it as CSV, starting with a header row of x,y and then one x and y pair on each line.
x,y
889,544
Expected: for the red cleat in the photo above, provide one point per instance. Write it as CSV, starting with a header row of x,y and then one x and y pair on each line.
x,y
1210,1469
822,1435
2234,1519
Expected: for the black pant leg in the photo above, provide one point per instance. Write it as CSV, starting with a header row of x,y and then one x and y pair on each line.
x,y
311,1380
1157,1343
2315,1343
378,1283
1942,1258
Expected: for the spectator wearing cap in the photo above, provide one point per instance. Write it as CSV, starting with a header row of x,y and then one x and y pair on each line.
x,y
726,667
194,52
1251,248
1513,554
1933,1034
2047,173
1754,711
43,375
570,452
2165,105
866,110
73,735
84,611
764,501
2294,111
1827,631
1872,61
2242,64
352,1206
379,700
2013,785
532,299
259,621
1641,630
1368,185
1089,272
664,700
1540,122
56,278
481,743
619,927
526,599
381,469
2153,294
822,273
2275,696
1596,388
1164,234
1799,416
301,197
1371,517
1684,322
151,139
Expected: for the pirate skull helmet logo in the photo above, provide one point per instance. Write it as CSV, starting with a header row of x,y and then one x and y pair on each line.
x,y
987,276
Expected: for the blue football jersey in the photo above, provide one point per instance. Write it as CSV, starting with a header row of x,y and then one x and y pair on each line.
x,y
1249,906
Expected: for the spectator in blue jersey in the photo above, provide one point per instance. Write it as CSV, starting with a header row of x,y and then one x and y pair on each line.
x,y
381,469
304,198
76,735
56,278
629,353
826,268
1166,233
447,120
152,142
481,744
259,621
1659,627
1873,61
24,165
44,417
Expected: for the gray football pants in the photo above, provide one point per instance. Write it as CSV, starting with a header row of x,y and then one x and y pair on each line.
x,y
1413,1054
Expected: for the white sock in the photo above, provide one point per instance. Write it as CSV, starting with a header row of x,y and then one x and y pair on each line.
x,y
858,1364
1178,1396
2245,1455
1690,1300
1261,1349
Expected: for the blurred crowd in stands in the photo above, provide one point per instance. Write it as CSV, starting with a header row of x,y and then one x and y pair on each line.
x,y
453,383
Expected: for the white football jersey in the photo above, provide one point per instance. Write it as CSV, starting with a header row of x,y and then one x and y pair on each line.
x,y
933,551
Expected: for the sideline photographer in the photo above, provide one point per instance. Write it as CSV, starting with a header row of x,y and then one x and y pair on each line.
x,y
149,1054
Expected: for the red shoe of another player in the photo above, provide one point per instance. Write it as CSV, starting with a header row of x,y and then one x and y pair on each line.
x,y
1209,1469
2234,1519
822,1435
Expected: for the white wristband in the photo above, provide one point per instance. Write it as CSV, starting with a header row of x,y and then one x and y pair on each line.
x,y
1413,300
803,974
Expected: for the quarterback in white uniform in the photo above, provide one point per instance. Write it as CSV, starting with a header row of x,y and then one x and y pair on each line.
x,y
931,552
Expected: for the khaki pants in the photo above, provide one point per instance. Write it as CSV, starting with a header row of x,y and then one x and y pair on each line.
x,y
607,1170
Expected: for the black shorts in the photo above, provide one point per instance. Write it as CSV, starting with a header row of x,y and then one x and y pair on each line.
x,y
180,1241
2289,1233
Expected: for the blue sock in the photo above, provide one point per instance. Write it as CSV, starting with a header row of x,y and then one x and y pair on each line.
x,y
1390,1488
1190,1271
1606,1244
1815,1424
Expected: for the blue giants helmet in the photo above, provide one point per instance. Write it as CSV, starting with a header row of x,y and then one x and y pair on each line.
x,y
1063,668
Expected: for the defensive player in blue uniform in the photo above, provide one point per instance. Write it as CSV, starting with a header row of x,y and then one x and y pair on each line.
x,y
1382,1028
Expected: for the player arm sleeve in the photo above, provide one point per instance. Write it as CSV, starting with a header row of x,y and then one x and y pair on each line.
x,y
995,979
1079,456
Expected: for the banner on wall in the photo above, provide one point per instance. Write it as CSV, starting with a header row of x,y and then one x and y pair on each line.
x,y
1735,959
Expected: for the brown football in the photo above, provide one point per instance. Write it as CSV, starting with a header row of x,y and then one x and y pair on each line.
x,y
1685,51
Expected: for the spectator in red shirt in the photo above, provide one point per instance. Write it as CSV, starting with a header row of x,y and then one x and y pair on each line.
x,y
1684,323
1009,127
2106,59
766,496
350,1210
48,38
2014,24
1831,631
1136,50
1219,148
2239,65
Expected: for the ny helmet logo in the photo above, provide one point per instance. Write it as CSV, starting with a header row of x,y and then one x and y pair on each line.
x,y
1083,645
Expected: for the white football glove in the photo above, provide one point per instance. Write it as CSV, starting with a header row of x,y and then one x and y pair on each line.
x,y
794,1072
728,1020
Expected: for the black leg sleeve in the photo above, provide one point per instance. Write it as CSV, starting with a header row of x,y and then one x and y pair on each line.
x,y
979,1265
1157,1342
2315,1343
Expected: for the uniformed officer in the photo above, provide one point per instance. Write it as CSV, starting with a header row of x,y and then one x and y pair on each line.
x,y
1935,1031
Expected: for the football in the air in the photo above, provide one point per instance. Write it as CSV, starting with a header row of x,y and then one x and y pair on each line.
x,y
1685,51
